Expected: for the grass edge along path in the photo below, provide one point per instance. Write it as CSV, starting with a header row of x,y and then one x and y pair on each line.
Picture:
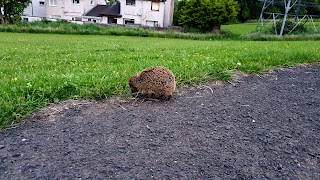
x,y
37,69
244,31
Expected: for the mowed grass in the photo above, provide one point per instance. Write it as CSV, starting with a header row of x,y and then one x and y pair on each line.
x,y
313,25
240,29
245,28
37,69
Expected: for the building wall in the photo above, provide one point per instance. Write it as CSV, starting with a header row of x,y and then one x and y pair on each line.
x,y
168,13
88,19
31,18
141,13
68,10
35,9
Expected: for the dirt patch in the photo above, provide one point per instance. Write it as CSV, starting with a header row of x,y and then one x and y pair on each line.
x,y
257,127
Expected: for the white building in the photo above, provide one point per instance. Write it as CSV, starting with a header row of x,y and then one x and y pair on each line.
x,y
35,11
103,14
71,10
153,13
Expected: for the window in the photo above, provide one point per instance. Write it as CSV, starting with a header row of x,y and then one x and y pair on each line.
x,y
55,16
92,2
128,21
41,3
130,2
52,2
152,23
155,6
76,19
112,20
75,1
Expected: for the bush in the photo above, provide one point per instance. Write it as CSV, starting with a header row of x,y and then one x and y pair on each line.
x,y
300,28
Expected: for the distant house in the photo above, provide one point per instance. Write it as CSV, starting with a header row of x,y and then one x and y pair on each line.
x,y
103,14
152,13
71,10
35,11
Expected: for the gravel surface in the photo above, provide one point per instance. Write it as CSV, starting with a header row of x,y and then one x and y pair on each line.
x,y
256,127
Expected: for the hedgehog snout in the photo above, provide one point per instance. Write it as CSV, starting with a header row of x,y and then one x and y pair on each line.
x,y
133,84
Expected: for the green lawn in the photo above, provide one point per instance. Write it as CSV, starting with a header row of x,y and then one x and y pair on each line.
x,y
245,28
240,29
316,24
40,68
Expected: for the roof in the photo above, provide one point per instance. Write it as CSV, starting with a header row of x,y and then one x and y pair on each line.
x,y
113,10
105,10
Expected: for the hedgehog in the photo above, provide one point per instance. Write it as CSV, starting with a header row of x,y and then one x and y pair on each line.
x,y
155,82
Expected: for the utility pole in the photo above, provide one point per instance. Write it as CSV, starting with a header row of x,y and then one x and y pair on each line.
x,y
279,19
287,9
298,10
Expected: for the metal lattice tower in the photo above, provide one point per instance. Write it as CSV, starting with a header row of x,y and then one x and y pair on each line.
x,y
291,12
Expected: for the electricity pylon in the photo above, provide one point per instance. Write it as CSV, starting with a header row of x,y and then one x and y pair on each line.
x,y
291,11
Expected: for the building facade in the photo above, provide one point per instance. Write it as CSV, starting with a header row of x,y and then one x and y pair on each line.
x,y
152,13
71,10
35,11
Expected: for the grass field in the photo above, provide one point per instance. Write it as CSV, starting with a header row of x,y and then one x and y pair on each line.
x,y
40,68
245,28
240,29
246,31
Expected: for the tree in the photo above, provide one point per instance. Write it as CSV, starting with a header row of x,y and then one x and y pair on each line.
x,y
207,15
249,9
10,10
244,11
314,10
177,11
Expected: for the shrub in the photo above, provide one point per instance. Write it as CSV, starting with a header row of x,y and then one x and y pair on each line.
x,y
298,28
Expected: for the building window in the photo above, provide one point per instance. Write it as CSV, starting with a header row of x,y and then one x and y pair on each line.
x,y
41,3
155,6
92,2
152,23
52,2
130,2
75,1
112,20
76,19
55,17
128,21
